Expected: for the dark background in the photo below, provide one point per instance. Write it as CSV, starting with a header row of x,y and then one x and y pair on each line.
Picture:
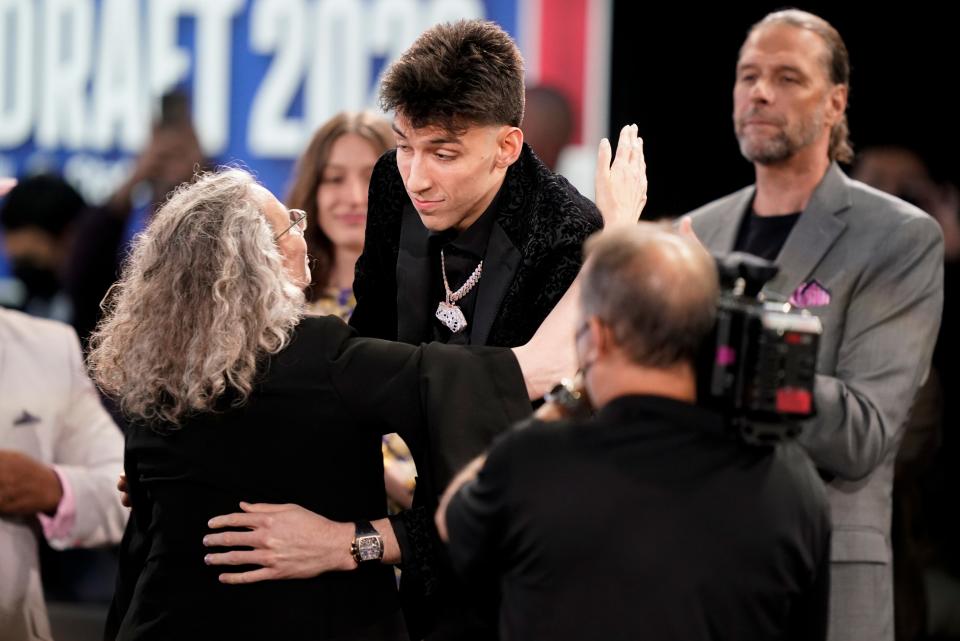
x,y
673,71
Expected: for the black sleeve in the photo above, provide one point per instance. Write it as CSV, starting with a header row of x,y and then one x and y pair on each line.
x,y
553,257
476,516
423,565
134,547
375,277
811,614
448,402
428,568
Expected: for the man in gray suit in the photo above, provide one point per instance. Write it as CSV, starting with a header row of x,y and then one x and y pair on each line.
x,y
869,265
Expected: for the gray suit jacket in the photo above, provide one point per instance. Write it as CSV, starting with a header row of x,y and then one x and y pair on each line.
x,y
50,410
881,260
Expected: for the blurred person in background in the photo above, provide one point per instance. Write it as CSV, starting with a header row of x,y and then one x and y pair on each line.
x,y
547,123
926,528
37,218
171,157
331,182
60,454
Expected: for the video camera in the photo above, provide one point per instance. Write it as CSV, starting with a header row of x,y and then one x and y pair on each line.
x,y
758,365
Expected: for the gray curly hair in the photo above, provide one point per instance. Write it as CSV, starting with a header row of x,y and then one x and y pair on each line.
x,y
203,297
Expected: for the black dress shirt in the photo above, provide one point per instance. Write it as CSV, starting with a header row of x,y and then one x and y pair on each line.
x,y
462,253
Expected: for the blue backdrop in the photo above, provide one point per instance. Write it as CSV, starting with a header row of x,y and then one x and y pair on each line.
x,y
80,79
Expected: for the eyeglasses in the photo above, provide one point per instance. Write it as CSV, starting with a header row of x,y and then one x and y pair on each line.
x,y
298,219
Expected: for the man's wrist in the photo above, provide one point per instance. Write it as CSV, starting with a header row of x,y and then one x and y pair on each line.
x,y
391,547
344,536
53,493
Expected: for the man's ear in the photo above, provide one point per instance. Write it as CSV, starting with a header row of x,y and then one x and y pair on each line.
x,y
836,103
598,340
509,145
602,337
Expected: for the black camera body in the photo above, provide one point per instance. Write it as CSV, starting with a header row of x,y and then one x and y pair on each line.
x,y
758,366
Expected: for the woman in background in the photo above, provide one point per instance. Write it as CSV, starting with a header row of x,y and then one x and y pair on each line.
x,y
330,184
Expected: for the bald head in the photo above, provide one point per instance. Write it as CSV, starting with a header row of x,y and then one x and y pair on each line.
x,y
655,289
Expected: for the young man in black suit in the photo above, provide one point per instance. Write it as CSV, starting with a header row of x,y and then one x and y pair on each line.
x,y
470,240
463,201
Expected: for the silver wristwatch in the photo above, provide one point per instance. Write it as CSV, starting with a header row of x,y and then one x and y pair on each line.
x,y
570,397
367,544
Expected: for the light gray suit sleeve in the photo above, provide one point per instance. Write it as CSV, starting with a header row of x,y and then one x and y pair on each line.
x,y
88,451
883,354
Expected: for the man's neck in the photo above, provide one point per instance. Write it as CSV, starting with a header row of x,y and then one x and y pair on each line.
x,y
786,187
480,207
610,381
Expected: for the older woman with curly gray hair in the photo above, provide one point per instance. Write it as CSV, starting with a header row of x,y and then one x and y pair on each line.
x,y
209,289
234,395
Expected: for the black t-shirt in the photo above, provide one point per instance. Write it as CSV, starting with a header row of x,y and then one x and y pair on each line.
x,y
764,236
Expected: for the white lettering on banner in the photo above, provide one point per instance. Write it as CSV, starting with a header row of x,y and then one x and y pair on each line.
x,y
87,75
339,74
212,78
65,72
119,100
169,63
395,27
451,10
279,27
96,178
16,72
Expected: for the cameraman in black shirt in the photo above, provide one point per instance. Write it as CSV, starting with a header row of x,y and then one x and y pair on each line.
x,y
650,519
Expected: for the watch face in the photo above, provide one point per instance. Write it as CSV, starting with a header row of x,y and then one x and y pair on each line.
x,y
369,548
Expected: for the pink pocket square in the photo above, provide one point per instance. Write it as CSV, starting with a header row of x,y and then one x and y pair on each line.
x,y
811,294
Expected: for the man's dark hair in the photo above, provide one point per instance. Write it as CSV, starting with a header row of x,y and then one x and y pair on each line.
x,y
455,75
655,289
44,201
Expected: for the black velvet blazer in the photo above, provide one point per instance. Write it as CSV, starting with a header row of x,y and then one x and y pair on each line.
x,y
534,253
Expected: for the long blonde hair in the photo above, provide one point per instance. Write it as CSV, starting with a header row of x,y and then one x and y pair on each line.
x,y
202,298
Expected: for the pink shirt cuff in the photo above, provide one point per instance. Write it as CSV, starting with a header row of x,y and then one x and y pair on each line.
x,y
59,526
